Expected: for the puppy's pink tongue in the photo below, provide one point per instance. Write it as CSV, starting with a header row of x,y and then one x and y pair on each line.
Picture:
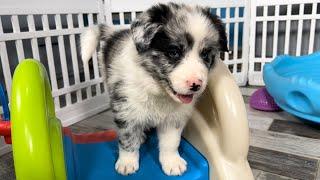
x,y
186,99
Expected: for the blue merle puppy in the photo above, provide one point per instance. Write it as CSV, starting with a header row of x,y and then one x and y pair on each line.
x,y
155,72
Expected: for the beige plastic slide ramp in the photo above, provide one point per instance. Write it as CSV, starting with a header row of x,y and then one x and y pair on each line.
x,y
219,127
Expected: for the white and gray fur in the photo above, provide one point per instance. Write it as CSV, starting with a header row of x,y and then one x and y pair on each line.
x,y
146,66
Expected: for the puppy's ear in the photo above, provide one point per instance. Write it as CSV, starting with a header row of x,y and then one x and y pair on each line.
x,y
218,24
146,26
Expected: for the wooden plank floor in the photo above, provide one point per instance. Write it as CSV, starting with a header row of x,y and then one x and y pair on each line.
x,y
281,146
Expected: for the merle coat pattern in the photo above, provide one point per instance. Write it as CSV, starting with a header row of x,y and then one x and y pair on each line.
x,y
155,72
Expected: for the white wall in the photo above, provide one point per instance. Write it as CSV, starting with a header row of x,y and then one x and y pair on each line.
x,y
45,4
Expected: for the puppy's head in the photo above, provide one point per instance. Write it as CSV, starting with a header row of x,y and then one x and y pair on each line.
x,y
178,45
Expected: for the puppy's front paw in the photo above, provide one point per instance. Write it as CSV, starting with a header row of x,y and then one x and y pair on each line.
x,y
173,164
127,165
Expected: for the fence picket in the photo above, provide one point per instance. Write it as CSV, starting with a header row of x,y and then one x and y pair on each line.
x,y
34,42
16,29
288,31
74,57
85,66
5,62
51,65
300,27
275,32
312,28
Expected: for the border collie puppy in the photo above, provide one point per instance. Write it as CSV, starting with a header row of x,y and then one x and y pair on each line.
x,y
155,72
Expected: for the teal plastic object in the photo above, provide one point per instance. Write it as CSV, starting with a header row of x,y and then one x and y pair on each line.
x,y
294,83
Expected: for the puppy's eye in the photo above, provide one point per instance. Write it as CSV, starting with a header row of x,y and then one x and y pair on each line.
x,y
174,52
205,54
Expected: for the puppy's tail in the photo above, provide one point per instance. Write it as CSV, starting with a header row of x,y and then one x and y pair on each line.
x,y
90,39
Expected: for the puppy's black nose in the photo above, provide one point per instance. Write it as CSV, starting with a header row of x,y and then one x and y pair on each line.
x,y
195,87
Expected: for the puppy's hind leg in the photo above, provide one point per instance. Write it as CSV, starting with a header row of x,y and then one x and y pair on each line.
x,y
169,157
130,139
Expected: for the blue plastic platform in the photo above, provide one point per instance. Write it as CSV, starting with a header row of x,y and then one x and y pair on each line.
x,y
95,161
294,83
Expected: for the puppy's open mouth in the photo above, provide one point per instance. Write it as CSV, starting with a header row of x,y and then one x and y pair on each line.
x,y
184,98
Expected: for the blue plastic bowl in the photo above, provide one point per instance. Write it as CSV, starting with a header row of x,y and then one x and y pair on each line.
x,y
294,83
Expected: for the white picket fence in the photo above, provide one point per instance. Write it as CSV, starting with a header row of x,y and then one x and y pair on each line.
x,y
49,31
281,27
